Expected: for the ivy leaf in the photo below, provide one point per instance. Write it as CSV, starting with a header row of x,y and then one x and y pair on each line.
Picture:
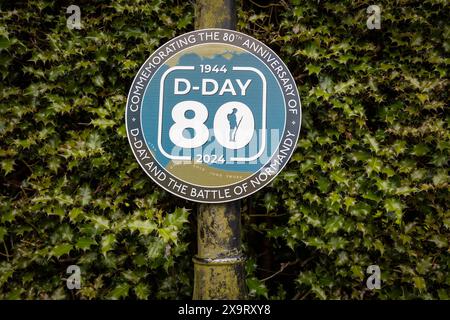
x,y
103,123
420,149
120,291
5,43
256,288
74,213
337,243
107,243
315,242
373,143
177,218
334,224
320,293
440,178
349,202
142,291
374,165
85,243
339,176
61,249
8,165
393,205
168,234
323,184
155,248
440,241
85,194
313,69
361,209
145,227
100,223
419,283
98,80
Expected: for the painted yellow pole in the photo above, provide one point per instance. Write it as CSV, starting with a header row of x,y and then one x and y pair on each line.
x,y
219,263
215,14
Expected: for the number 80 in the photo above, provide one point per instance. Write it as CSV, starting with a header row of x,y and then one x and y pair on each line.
x,y
201,132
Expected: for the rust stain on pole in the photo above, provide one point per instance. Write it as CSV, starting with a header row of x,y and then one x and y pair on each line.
x,y
219,263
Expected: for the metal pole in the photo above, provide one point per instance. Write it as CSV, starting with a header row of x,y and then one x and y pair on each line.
x,y
219,263
215,14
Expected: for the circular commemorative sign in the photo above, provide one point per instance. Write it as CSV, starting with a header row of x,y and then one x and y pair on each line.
x,y
213,115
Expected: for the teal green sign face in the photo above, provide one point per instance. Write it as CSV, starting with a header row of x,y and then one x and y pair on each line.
x,y
213,115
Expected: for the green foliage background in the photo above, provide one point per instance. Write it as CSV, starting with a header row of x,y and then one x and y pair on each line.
x,y
368,183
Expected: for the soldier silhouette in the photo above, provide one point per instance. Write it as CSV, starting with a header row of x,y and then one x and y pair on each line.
x,y
233,124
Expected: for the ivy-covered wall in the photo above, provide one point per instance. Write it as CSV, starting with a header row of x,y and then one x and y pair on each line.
x,y
367,185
